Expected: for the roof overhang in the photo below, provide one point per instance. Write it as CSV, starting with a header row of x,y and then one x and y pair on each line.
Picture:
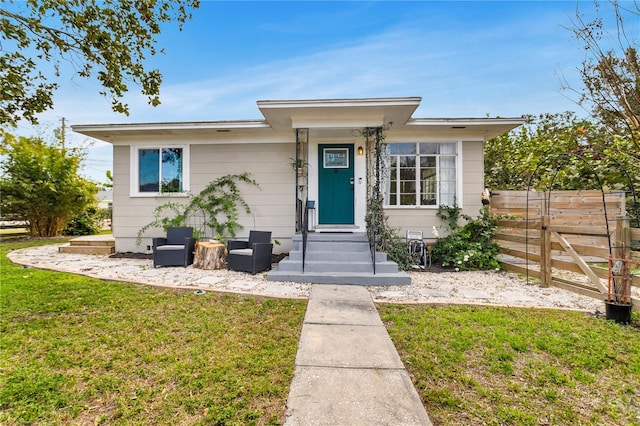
x,y
321,116
338,113
112,132
487,128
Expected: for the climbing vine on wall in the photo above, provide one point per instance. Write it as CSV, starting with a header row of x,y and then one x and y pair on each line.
x,y
216,208
385,237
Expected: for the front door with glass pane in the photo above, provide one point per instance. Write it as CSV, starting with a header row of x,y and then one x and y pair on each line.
x,y
335,185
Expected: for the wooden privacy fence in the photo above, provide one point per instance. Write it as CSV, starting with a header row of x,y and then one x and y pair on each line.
x,y
565,239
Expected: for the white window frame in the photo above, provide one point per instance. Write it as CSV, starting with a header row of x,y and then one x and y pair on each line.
x,y
344,151
458,174
134,163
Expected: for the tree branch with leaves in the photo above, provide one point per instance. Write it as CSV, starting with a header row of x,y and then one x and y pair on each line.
x,y
611,75
109,39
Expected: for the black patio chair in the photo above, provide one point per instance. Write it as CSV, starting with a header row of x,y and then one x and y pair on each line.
x,y
251,256
176,249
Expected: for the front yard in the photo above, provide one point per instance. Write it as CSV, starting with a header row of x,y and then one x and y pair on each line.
x,y
528,366
84,351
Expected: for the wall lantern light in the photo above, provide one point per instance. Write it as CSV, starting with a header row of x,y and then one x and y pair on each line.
x,y
360,150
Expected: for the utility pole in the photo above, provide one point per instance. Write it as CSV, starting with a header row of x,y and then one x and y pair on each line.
x,y
62,132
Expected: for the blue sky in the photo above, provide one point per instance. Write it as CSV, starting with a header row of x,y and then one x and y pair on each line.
x,y
465,59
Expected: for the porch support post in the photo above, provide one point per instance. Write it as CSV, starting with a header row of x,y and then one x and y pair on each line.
x,y
377,186
300,167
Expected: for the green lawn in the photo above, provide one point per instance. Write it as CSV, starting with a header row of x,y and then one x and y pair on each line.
x,y
75,350
497,366
84,351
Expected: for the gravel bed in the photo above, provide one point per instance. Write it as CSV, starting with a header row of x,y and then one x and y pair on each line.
x,y
485,287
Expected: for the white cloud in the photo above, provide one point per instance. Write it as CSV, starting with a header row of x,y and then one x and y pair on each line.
x,y
505,66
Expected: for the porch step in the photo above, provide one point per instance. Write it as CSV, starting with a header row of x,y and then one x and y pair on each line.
x,y
337,258
398,278
94,241
335,266
86,249
92,244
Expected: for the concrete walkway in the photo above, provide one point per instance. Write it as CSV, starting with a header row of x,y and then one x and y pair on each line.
x,y
347,370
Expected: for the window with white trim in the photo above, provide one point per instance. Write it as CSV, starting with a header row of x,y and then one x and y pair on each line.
x,y
421,174
159,170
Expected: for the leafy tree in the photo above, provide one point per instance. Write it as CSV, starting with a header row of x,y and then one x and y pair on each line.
x,y
109,183
40,184
611,75
109,39
560,151
513,158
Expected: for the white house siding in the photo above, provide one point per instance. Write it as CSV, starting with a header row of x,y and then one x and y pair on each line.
x,y
472,177
471,171
126,220
272,203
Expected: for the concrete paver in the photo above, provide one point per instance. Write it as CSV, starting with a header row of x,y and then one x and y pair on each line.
x,y
353,346
433,293
354,397
341,304
243,285
474,294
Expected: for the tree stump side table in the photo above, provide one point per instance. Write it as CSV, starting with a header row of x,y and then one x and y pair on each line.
x,y
209,255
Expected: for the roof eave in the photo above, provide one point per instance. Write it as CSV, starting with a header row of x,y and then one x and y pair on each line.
x,y
110,132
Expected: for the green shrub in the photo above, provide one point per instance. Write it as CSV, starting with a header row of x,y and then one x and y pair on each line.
x,y
86,223
469,247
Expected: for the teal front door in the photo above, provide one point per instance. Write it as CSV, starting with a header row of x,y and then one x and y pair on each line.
x,y
335,184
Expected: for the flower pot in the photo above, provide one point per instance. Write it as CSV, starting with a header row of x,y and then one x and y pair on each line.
x,y
619,312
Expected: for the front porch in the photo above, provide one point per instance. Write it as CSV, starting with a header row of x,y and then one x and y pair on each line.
x,y
337,258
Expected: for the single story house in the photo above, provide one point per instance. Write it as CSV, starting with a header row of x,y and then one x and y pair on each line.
x,y
303,153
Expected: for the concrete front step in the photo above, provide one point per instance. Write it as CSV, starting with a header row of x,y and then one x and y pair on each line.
x,y
336,256
344,236
324,266
337,259
399,278
89,249
346,240
340,247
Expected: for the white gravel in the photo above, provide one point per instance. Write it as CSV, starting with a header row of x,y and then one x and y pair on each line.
x,y
486,287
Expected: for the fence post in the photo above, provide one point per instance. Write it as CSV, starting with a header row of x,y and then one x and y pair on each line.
x,y
545,251
622,238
